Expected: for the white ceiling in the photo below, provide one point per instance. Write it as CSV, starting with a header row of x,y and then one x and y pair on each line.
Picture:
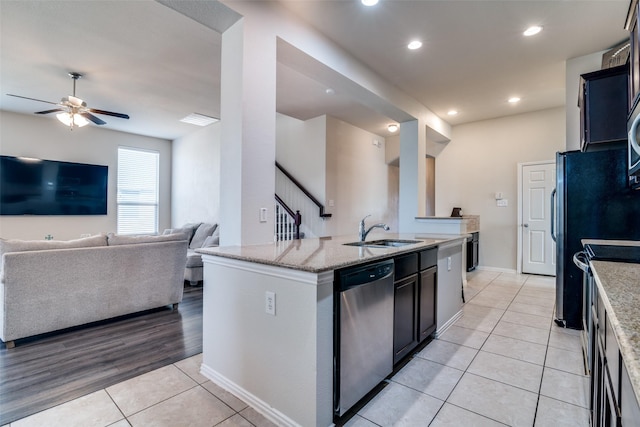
x,y
143,59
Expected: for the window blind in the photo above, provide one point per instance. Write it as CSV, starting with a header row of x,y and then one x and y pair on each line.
x,y
137,191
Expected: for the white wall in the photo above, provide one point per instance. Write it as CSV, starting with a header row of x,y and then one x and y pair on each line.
x,y
358,180
46,138
195,186
481,159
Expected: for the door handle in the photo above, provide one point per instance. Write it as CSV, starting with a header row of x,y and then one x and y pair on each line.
x,y
525,225
553,215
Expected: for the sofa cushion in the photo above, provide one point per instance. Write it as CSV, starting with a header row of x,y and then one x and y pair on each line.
x,y
204,230
117,239
11,245
193,259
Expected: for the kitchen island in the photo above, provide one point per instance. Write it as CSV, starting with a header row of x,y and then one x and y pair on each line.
x,y
268,332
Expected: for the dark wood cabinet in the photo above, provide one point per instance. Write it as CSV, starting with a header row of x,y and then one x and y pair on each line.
x,y
604,105
634,60
415,301
473,245
427,297
405,313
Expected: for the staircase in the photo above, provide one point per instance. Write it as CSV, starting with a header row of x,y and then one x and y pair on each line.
x,y
288,222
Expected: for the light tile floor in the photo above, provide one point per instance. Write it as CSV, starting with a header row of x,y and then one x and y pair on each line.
x,y
503,363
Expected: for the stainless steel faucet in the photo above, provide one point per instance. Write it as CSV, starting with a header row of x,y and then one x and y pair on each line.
x,y
363,234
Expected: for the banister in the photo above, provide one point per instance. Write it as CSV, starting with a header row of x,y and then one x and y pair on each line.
x,y
304,190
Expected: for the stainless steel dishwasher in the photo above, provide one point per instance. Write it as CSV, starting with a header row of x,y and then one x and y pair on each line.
x,y
363,347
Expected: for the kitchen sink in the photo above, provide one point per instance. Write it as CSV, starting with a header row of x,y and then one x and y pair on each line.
x,y
384,243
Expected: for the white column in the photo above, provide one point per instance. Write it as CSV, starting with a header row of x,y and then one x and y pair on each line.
x,y
413,176
248,123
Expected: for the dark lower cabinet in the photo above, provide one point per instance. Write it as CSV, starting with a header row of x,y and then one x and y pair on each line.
x,y
473,245
613,400
427,306
415,300
405,315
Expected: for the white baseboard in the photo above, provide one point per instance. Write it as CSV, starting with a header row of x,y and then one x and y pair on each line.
x,y
256,403
450,322
497,269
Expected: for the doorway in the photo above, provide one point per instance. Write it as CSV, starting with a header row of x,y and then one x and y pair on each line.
x,y
536,248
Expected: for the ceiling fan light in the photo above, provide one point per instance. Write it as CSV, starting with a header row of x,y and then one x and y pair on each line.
x,y
65,118
79,120
71,120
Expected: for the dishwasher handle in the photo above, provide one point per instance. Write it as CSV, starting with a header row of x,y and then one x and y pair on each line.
x,y
364,275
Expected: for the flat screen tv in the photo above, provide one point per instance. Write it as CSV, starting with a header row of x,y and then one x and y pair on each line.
x,y
46,187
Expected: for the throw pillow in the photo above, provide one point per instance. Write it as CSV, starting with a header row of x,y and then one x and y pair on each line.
x,y
204,230
211,241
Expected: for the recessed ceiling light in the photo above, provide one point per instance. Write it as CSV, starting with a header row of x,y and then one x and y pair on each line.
x,y
514,100
369,2
199,119
392,127
532,31
415,44
452,112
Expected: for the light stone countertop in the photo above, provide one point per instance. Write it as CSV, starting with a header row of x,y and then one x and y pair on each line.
x,y
619,287
326,253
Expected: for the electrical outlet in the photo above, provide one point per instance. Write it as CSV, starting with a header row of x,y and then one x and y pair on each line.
x,y
85,235
502,203
270,303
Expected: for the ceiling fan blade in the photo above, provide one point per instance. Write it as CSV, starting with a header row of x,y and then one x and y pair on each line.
x,y
109,113
93,118
33,99
49,111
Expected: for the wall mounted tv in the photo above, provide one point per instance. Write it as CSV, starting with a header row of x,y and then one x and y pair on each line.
x,y
46,187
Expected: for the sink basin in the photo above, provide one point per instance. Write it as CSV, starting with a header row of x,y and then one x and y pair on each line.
x,y
384,243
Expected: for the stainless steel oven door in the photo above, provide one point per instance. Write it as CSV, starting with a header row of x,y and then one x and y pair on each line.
x,y
634,149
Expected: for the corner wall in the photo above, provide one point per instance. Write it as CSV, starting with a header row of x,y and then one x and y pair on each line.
x,y
195,186
46,138
482,159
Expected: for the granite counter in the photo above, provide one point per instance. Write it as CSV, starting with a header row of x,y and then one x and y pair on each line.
x,y
619,287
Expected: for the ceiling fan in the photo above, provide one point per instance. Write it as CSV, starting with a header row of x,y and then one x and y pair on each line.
x,y
73,111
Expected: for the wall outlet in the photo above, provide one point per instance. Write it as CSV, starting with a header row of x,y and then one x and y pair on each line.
x,y
85,235
270,303
502,203
263,214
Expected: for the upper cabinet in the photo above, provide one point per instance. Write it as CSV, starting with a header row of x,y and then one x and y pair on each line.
x,y
631,25
604,105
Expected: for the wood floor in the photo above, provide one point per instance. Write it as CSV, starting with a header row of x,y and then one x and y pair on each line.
x,y
45,371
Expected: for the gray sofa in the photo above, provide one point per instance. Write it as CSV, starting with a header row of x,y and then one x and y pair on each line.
x,y
51,285
200,235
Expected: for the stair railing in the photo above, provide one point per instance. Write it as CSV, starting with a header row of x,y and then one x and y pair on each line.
x,y
320,206
287,223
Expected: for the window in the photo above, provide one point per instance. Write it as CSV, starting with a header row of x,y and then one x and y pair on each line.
x,y
137,191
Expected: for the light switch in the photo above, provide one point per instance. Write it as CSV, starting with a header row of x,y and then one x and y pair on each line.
x,y
263,214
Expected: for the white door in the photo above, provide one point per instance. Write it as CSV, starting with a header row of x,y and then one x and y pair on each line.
x,y
538,248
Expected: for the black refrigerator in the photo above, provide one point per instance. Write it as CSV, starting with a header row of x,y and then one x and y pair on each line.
x,y
592,201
